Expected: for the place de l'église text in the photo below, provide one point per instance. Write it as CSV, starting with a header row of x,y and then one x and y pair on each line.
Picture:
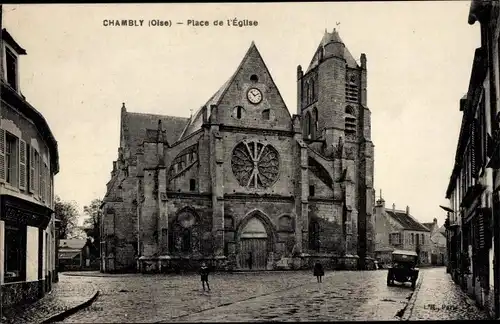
x,y
169,23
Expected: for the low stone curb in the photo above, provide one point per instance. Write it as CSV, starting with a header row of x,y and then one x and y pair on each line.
x,y
408,310
61,316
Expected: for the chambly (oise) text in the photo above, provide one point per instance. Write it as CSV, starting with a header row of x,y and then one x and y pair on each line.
x,y
168,23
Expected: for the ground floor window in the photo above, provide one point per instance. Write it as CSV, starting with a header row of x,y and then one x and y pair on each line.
x,y
15,253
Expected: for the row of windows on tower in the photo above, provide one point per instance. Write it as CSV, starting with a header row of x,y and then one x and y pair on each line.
x,y
239,113
311,95
310,126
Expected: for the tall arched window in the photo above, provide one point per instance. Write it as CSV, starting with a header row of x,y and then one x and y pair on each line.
x,y
306,92
313,91
184,233
350,121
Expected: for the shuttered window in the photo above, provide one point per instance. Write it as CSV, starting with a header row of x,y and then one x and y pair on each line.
x,y
22,165
32,170
2,156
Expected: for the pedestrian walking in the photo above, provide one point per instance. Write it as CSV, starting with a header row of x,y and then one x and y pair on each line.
x,y
318,271
204,276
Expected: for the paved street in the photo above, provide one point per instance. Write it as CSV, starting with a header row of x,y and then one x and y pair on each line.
x,y
343,295
66,294
440,299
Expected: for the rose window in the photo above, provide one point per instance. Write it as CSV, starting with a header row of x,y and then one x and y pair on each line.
x,y
255,165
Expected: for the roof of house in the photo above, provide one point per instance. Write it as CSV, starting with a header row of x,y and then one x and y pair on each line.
x,y
72,243
407,221
332,37
140,126
428,225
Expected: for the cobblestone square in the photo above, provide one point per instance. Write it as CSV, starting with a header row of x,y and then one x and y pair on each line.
x,y
252,296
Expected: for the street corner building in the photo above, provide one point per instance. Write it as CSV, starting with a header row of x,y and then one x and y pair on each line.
x,y
243,184
473,214
399,230
28,163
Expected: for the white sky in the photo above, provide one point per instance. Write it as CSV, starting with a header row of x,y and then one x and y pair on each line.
x,y
78,72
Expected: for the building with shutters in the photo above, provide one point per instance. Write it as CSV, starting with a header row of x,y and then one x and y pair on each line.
x,y
474,214
243,181
28,163
398,230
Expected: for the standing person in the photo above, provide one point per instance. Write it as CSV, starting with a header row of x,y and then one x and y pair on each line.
x,y
318,271
204,276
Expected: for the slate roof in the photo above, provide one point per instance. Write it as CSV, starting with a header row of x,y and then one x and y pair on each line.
x,y
328,38
140,126
408,222
428,225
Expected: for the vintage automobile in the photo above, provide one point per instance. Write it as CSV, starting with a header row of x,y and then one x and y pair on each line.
x,y
403,268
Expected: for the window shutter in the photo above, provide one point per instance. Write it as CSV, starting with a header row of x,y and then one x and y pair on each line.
x,y
32,170
22,164
472,149
39,176
2,156
42,181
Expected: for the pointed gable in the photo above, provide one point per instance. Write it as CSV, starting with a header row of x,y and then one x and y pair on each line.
x,y
233,93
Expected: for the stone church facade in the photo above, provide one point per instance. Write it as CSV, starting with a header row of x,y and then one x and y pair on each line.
x,y
244,184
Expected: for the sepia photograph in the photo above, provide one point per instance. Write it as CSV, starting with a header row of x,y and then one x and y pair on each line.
x,y
250,162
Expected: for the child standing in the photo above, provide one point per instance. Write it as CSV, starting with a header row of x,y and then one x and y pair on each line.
x,y
318,271
204,276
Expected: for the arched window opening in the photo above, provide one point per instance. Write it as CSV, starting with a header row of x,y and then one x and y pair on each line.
x,y
315,122
350,121
351,88
228,223
254,78
266,114
313,91
183,236
238,112
306,92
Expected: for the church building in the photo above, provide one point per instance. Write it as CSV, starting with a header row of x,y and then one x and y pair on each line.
x,y
244,184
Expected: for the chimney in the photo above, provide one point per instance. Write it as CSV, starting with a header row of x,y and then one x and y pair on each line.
x,y
435,221
393,207
407,210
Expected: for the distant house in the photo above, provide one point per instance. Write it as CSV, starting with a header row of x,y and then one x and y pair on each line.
x,y
399,230
438,241
74,254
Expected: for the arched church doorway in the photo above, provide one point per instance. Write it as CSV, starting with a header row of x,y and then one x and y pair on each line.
x,y
253,245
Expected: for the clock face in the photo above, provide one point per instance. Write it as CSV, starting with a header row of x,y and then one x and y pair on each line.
x,y
254,95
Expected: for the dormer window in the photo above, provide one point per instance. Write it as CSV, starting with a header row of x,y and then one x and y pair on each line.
x,y
11,68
